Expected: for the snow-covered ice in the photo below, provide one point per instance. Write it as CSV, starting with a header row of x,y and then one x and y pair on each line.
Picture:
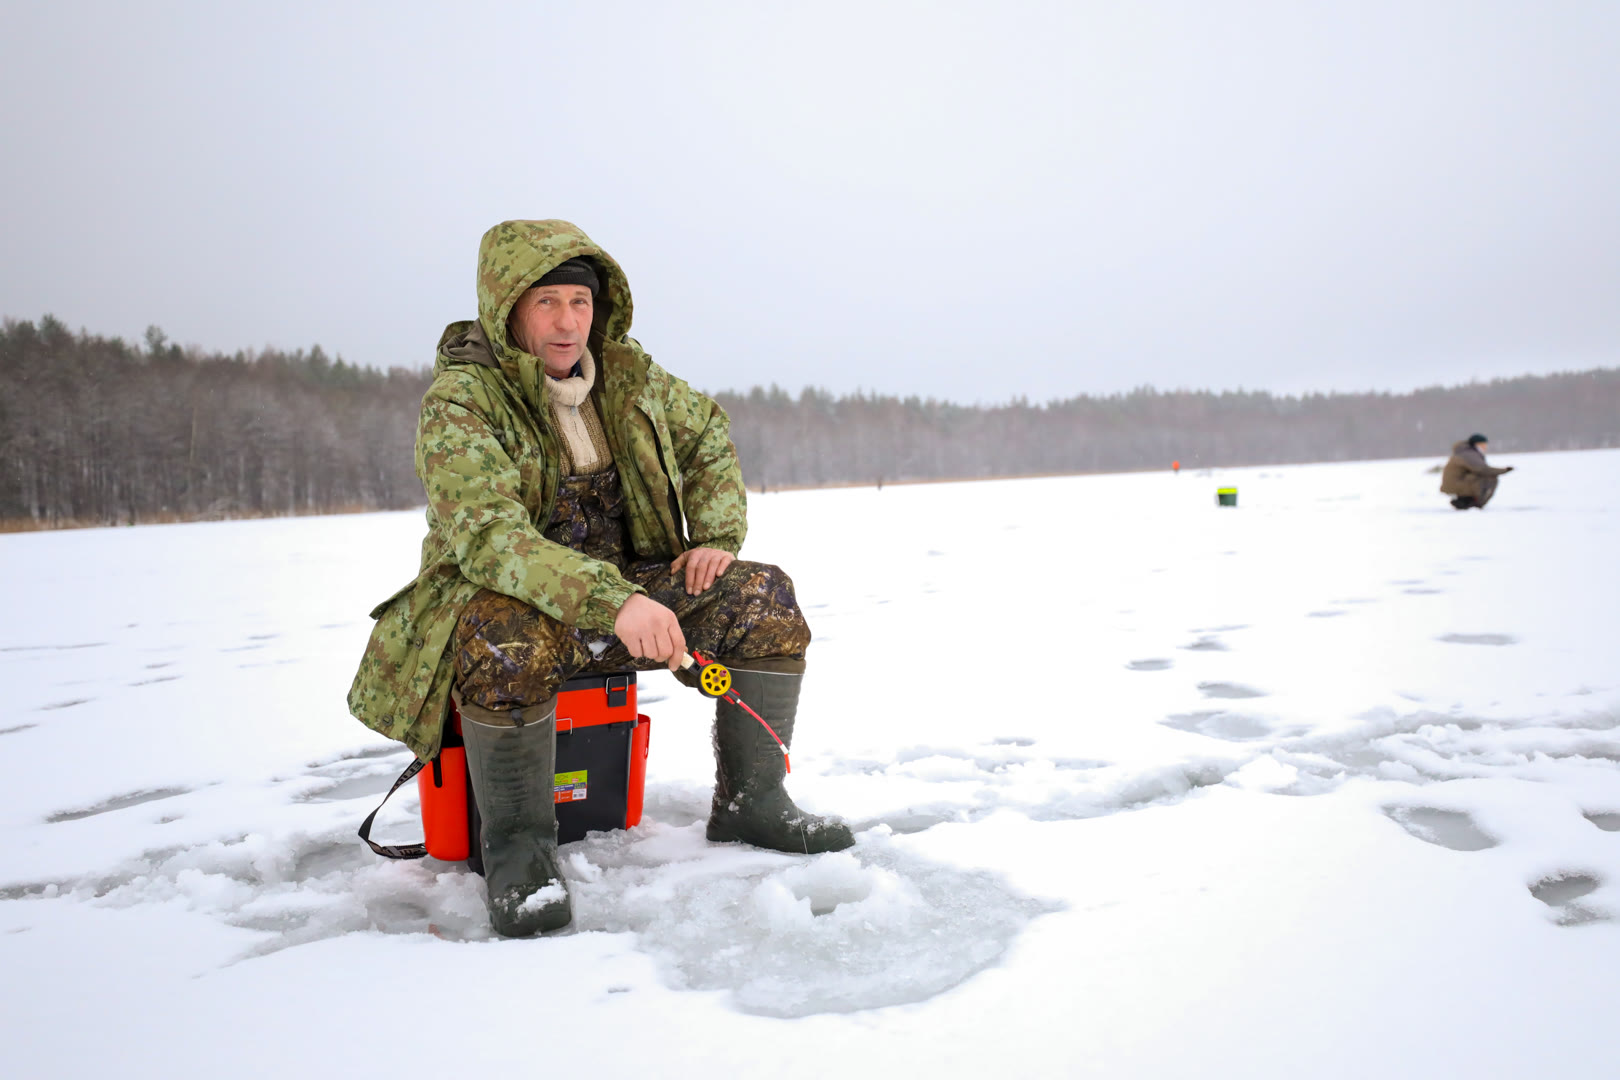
x,y
1324,785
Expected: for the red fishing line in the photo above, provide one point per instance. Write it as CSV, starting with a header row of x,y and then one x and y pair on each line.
x,y
731,696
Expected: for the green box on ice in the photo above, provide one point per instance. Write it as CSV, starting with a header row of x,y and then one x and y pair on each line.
x,y
1226,496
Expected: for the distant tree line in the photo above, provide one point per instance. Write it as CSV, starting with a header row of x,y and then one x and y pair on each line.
x,y
94,430
817,438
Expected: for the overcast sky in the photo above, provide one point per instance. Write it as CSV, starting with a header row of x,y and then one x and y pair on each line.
x,y
969,201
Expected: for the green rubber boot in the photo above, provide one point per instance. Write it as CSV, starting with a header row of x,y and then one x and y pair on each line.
x,y
750,804
512,757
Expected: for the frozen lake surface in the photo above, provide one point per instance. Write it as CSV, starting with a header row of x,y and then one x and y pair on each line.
x,y
1327,785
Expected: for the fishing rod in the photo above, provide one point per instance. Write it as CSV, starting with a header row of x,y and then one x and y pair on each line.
x,y
714,680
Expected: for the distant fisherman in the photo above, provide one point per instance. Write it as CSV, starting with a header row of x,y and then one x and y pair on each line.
x,y
1467,477
585,511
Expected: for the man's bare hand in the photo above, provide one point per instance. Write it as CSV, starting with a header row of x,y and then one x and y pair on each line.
x,y
650,630
702,565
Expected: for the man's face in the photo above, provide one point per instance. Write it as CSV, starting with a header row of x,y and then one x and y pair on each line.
x,y
553,323
1482,446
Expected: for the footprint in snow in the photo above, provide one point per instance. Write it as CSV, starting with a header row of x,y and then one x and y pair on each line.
x,y
1560,893
367,754
1478,639
1148,665
154,679
118,802
1207,643
1228,690
51,648
1606,822
355,787
359,774
1446,828
1232,727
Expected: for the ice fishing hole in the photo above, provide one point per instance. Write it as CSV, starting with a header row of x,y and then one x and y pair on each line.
x,y
824,897
907,822
841,933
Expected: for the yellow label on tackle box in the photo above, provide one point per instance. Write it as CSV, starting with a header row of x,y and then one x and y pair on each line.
x,y
569,786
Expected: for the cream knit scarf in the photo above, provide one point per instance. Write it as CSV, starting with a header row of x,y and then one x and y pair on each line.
x,y
568,396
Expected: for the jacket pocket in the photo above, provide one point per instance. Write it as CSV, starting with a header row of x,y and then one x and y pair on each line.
x,y
662,449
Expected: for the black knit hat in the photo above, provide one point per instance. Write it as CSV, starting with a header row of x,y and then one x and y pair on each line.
x,y
576,271
1473,440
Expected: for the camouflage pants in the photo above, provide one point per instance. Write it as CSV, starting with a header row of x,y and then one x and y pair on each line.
x,y
509,655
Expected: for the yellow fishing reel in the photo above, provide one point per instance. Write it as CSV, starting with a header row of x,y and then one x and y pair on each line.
x,y
713,680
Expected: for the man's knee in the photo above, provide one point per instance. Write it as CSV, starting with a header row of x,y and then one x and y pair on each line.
x,y
509,655
759,582
758,602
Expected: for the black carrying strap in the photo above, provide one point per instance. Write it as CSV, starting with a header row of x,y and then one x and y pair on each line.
x,y
395,851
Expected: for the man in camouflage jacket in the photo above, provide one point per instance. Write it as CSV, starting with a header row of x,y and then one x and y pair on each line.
x,y
585,511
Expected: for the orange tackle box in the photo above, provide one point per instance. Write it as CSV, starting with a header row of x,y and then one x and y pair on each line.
x,y
601,769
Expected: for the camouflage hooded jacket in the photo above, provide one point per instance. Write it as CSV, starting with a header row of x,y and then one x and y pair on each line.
x,y
489,460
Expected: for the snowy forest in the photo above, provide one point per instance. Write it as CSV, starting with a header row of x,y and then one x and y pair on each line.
x,y
95,430
817,439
